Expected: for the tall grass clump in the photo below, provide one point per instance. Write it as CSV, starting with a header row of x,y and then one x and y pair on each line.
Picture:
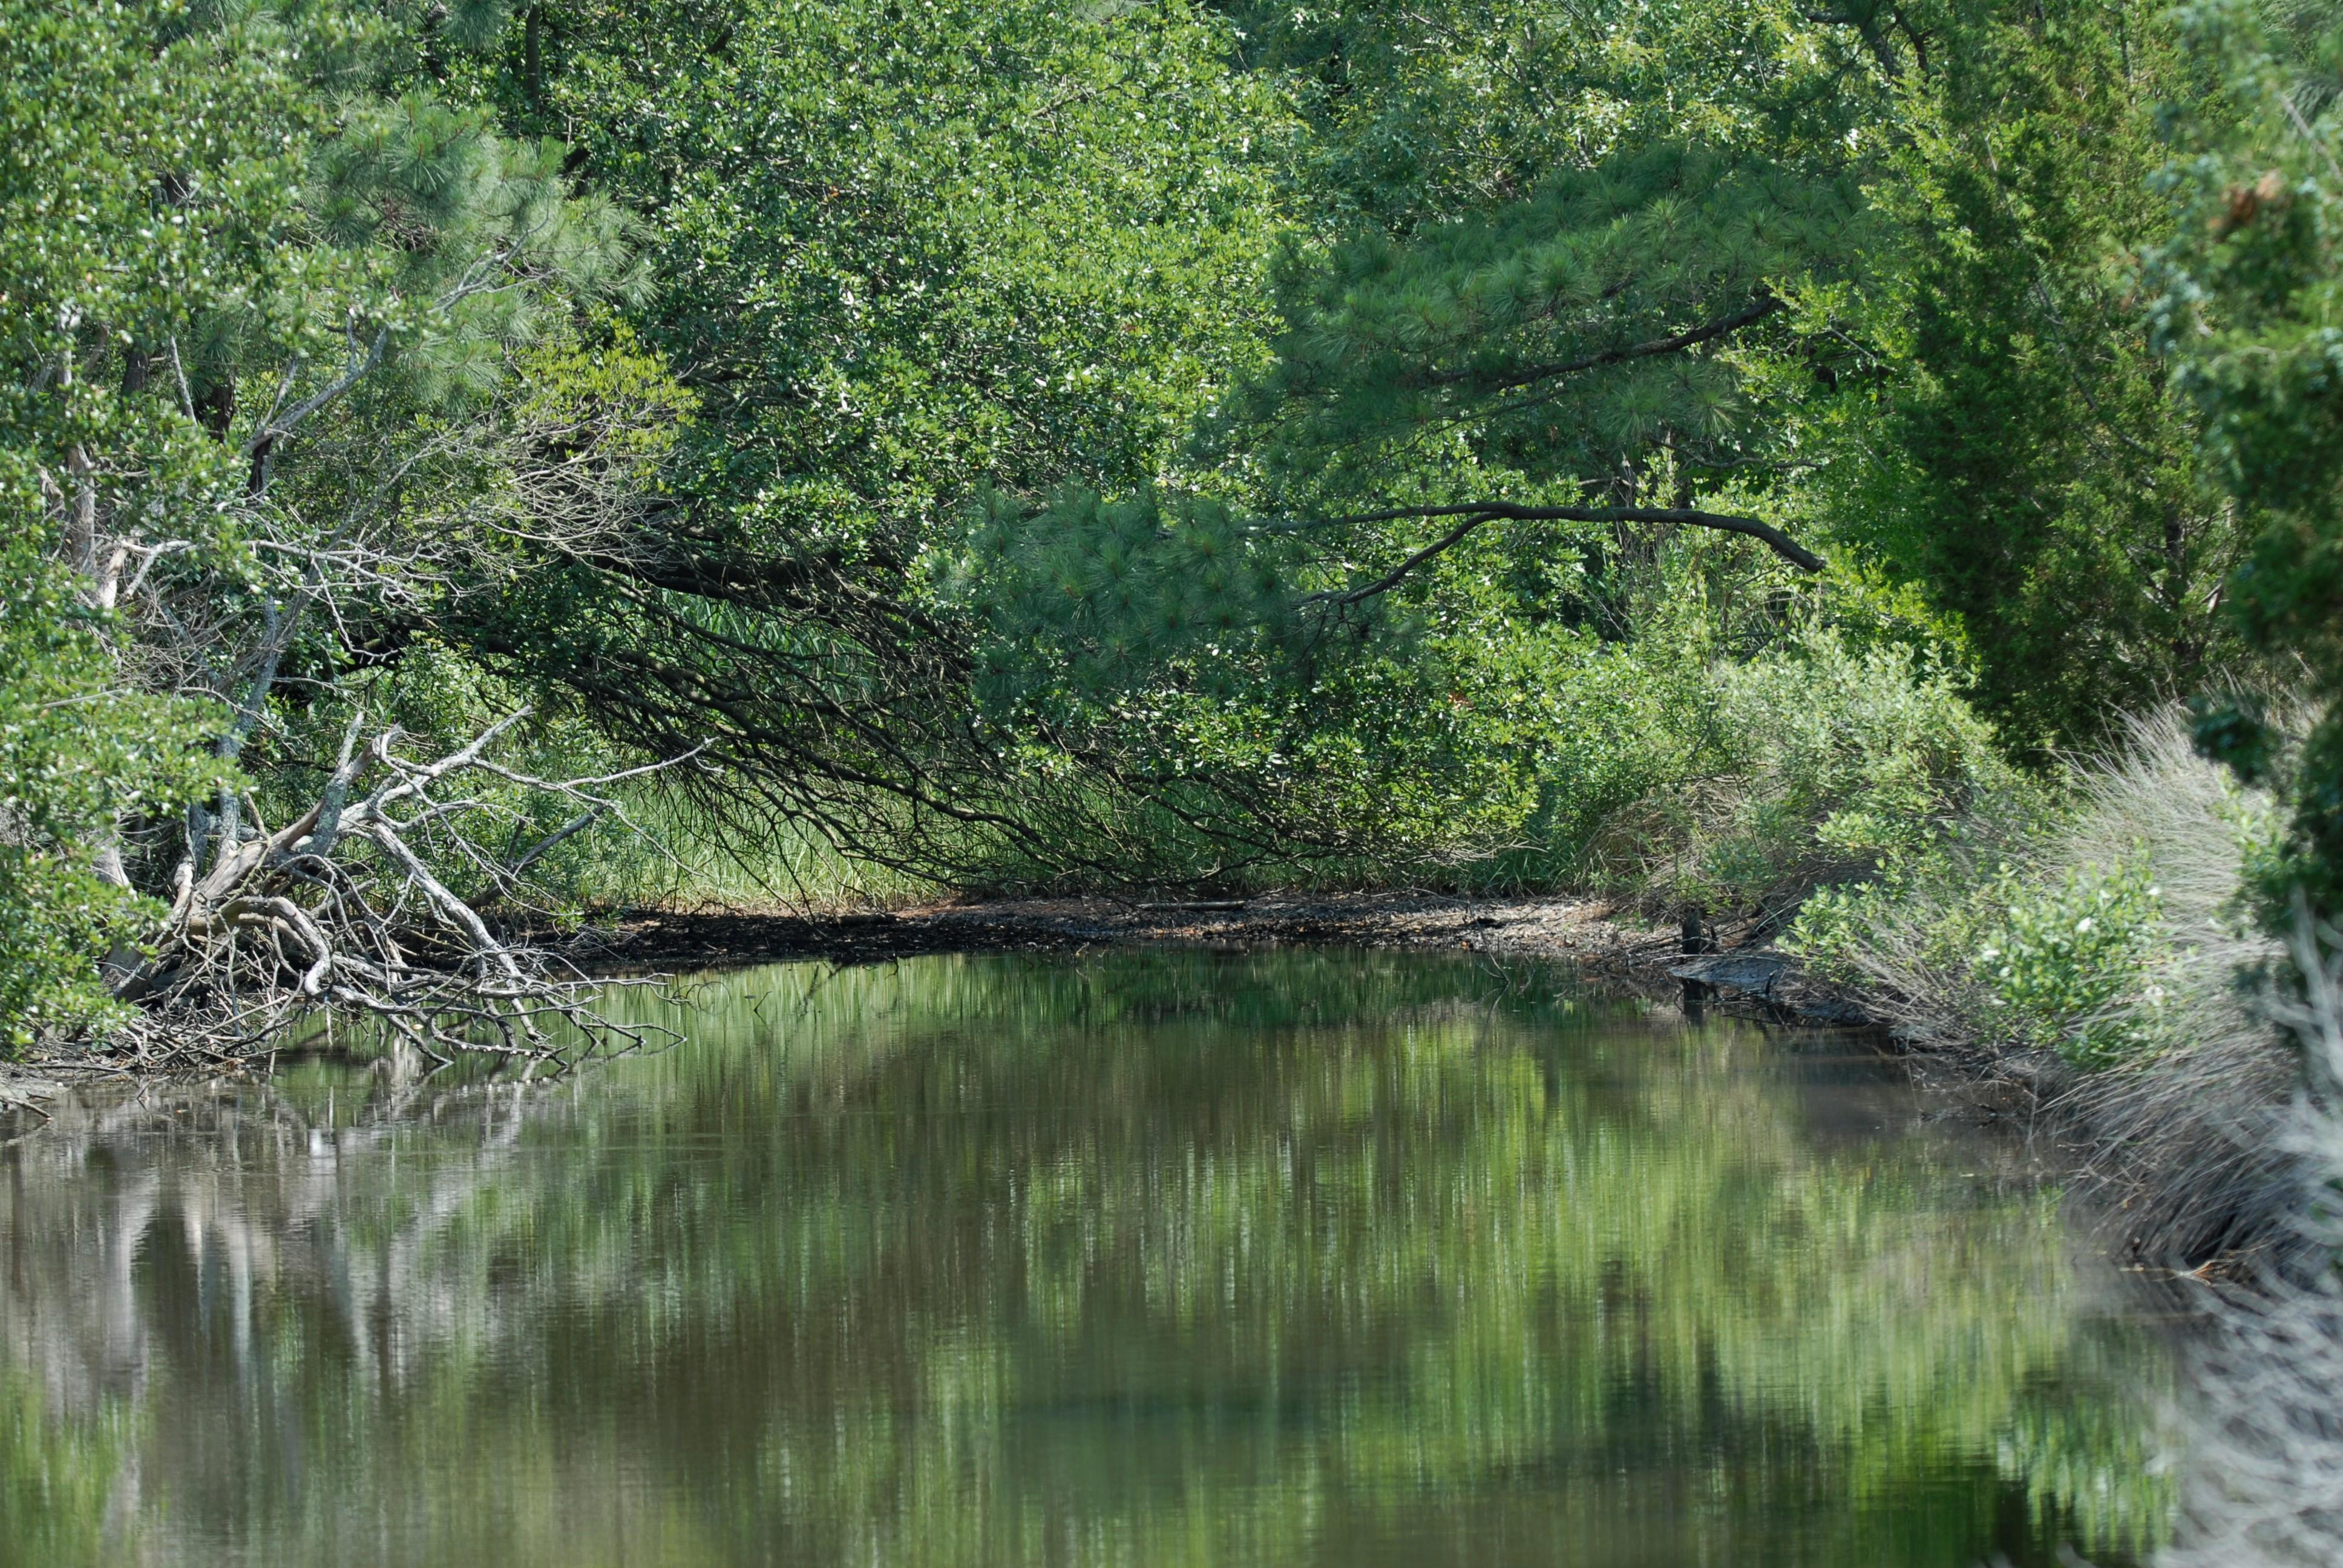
x,y
2263,1478
677,856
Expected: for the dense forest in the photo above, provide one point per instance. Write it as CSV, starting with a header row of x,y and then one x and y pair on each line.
x,y
479,464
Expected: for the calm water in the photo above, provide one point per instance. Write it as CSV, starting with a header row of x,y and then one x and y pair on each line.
x,y
1152,1259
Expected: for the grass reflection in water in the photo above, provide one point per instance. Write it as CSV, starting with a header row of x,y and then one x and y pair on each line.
x,y
1159,1257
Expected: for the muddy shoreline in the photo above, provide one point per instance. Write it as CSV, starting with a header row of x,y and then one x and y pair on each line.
x,y
654,939
1607,945
1611,948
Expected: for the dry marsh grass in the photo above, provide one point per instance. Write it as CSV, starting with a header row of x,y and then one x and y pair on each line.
x,y
2262,1484
2189,1126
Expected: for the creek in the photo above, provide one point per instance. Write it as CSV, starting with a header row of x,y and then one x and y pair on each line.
x,y
1150,1257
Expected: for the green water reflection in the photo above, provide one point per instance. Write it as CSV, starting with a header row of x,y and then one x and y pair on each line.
x,y
1148,1259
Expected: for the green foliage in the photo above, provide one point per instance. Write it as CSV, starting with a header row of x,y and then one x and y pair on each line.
x,y
902,256
673,853
1086,594
1510,345
1870,754
78,752
906,251
1428,113
147,169
1891,300
2104,919
1814,763
264,290
2251,308
999,434
2067,963
2072,961
1867,278
2011,447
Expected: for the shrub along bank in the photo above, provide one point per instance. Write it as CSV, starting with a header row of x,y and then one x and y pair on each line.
x,y
2099,931
2099,941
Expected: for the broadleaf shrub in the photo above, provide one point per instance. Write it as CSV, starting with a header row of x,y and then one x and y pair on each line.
x,y
2067,968
1814,764
2110,920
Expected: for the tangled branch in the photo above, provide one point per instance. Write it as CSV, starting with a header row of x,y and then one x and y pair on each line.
x,y
340,910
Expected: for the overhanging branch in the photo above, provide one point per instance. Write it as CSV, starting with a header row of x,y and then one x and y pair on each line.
x,y
1476,514
1674,343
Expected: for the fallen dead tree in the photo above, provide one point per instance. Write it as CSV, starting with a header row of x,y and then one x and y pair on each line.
x,y
349,908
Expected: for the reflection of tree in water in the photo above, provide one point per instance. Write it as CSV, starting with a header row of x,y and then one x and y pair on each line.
x,y
1159,1259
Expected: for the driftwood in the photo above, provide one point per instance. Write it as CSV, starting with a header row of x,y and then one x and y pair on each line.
x,y
339,909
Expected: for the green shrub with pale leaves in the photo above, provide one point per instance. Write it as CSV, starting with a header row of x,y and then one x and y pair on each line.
x,y
2110,922
2068,967
1814,764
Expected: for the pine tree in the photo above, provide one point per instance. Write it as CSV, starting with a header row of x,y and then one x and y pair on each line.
x,y
1564,348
